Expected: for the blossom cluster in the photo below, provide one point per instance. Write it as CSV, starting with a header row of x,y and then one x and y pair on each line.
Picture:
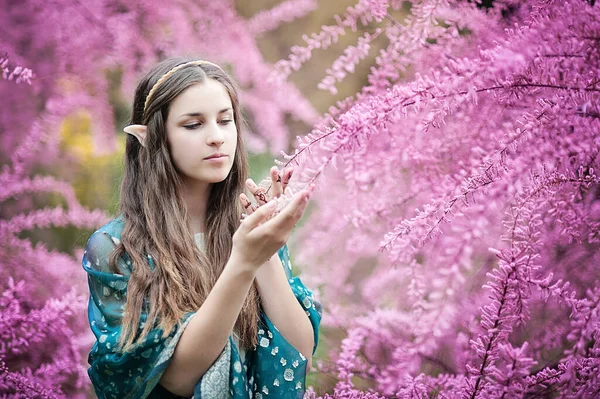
x,y
17,73
287,11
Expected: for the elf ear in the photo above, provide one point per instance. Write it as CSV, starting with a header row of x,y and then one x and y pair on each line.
x,y
139,131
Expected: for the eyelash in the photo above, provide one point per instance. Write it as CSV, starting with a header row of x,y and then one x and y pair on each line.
x,y
196,125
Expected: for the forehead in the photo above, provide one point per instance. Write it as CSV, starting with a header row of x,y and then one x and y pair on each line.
x,y
208,97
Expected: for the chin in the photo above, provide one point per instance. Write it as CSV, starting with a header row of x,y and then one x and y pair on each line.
x,y
214,177
219,180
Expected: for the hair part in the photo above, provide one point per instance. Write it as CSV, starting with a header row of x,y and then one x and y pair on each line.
x,y
157,221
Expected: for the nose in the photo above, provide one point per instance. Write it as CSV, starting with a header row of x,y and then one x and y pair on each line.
x,y
215,135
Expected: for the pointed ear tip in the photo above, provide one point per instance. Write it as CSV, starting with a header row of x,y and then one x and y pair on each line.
x,y
133,129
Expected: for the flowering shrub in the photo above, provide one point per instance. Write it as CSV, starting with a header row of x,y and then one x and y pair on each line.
x,y
457,240
456,244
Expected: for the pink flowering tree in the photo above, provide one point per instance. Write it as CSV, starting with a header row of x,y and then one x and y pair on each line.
x,y
455,240
456,237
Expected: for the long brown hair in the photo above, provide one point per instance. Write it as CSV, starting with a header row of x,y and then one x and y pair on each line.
x,y
156,217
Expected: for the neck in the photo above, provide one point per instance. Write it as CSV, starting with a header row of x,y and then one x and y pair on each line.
x,y
195,194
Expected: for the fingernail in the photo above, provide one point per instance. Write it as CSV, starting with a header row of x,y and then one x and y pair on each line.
x,y
271,203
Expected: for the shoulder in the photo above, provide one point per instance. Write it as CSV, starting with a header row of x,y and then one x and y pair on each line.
x,y
112,229
101,244
106,237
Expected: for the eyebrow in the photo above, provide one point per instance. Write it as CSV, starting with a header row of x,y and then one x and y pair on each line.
x,y
201,114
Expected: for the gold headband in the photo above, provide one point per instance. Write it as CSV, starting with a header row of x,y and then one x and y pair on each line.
x,y
171,72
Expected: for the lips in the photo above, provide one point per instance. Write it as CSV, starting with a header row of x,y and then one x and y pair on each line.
x,y
214,156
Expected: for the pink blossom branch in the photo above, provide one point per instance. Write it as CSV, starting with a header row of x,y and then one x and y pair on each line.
x,y
18,73
287,11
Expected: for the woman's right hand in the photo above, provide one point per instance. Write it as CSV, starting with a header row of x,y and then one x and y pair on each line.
x,y
258,237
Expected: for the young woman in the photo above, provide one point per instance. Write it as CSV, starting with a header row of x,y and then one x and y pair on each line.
x,y
186,298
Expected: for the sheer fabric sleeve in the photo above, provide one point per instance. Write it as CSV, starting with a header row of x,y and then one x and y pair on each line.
x,y
311,306
114,373
280,369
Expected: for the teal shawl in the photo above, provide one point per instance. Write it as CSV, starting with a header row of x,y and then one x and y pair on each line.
x,y
274,369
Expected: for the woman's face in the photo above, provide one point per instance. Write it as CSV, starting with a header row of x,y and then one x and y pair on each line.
x,y
199,125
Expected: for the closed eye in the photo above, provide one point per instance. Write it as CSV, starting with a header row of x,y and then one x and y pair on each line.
x,y
226,121
192,126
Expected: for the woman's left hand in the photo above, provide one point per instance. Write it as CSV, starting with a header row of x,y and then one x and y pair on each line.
x,y
279,182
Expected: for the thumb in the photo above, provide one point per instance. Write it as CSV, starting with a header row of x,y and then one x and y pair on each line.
x,y
259,215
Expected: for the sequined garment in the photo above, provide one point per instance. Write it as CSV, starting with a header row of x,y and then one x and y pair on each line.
x,y
274,369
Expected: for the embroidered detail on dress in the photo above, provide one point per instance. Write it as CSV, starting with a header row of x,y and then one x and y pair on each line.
x,y
215,382
307,302
118,285
288,375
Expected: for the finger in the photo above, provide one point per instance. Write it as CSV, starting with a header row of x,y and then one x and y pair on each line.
x,y
285,178
258,192
249,207
276,182
260,215
287,218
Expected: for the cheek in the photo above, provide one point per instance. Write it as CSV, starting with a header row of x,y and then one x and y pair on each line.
x,y
233,136
184,153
